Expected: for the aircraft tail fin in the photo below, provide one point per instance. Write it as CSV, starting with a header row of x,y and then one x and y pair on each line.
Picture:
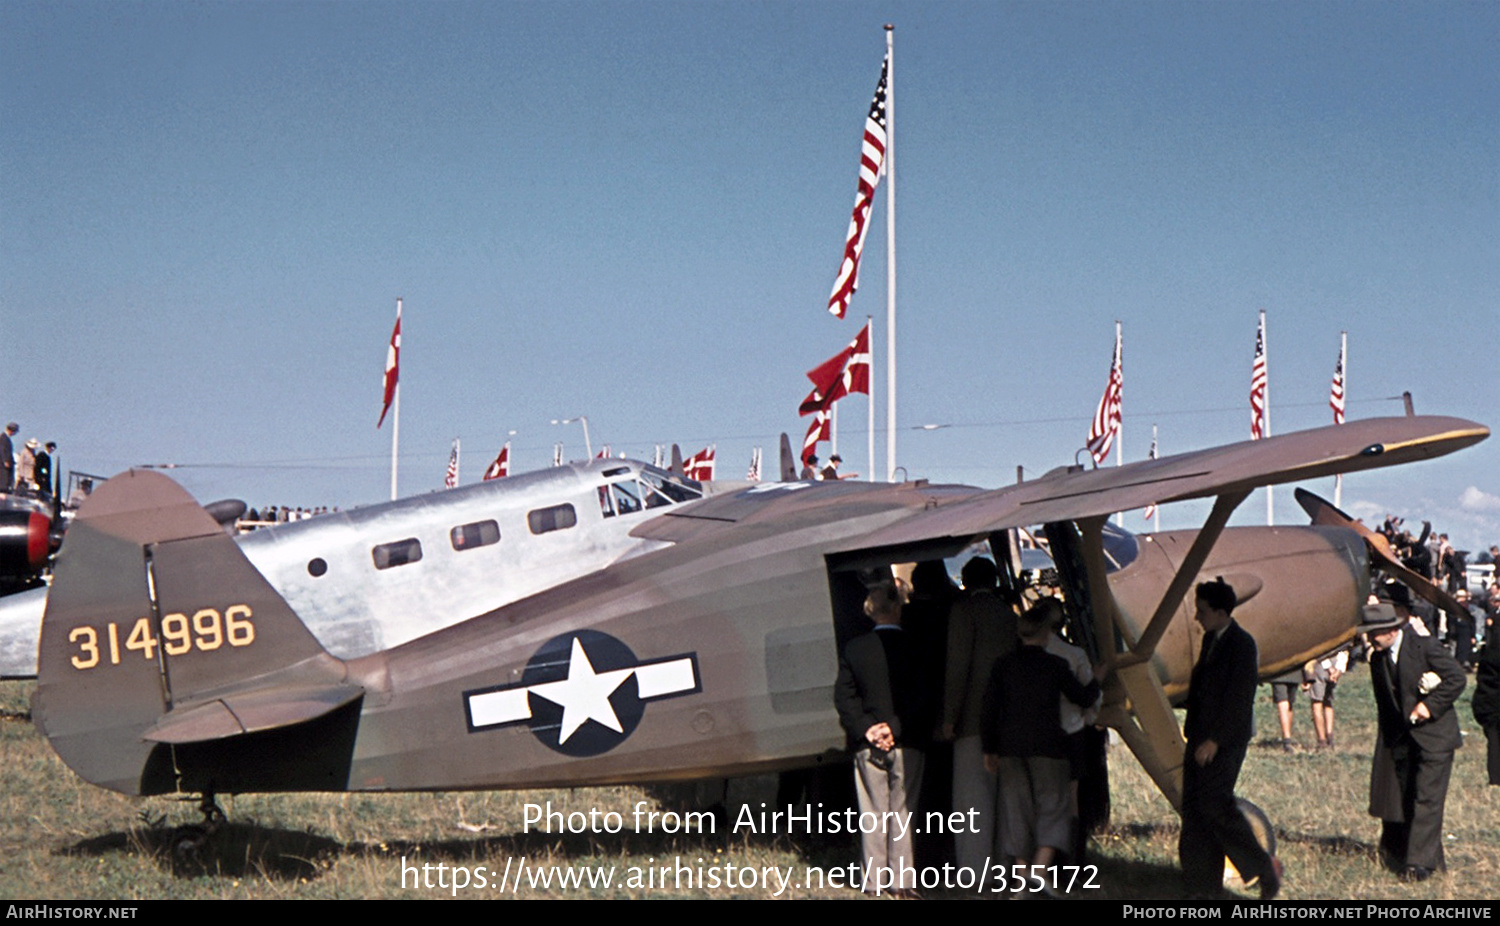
x,y
677,468
160,635
788,461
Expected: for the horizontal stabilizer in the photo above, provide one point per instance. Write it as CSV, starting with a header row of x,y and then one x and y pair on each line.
x,y
249,712
159,631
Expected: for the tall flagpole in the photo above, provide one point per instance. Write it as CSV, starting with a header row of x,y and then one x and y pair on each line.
x,y
1266,415
1156,515
1338,481
396,413
1120,428
870,412
890,258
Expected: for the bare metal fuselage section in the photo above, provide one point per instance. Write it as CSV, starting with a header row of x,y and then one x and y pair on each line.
x,y
355,609
325,568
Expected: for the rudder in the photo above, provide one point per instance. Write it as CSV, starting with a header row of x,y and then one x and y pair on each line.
x,y
160,636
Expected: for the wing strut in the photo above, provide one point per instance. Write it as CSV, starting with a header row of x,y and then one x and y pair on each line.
x,y
1134,702
1208,535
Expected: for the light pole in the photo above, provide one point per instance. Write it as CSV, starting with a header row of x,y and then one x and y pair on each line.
x,y
587,445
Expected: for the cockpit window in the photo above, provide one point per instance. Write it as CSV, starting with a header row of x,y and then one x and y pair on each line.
x,y
654,499
1120,548
605,508
626,500
672,489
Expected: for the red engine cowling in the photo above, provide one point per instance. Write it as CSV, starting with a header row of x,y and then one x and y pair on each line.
x,y
24,542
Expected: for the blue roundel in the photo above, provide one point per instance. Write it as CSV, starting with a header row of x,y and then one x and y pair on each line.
x,y
553,662
582,693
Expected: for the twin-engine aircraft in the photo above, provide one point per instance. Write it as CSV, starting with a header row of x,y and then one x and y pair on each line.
x,y
169,662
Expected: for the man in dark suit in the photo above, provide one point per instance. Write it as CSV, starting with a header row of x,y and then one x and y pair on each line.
x,y
1220,722
8,457
882,701
1415,683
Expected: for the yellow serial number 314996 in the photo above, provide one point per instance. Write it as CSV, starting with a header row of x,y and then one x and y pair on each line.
x,y
207,630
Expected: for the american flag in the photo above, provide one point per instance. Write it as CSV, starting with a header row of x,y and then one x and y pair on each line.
x,y
1259,427
871,160
1106,425
700,466
501,467
392,366
451,479
1336,394
753,473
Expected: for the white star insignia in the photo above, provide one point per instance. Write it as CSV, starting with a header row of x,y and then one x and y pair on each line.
x,y
584,694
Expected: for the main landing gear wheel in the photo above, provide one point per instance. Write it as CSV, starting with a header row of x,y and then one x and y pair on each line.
x,y
188,839
1260,824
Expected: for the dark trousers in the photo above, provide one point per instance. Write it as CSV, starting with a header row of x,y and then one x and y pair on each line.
x,y
1418,840
1213,827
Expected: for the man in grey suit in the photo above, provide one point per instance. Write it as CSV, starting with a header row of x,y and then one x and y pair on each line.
x,y
882,700
1415,683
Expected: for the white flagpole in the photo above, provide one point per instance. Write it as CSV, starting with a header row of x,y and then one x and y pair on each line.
x,y
833,429
1120,429
1156,515
890,257
1266,413
1338,481
870,410
396,412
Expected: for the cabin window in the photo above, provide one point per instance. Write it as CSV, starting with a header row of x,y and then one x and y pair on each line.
x,y
605,507
317,566
398,553
555,518
478,534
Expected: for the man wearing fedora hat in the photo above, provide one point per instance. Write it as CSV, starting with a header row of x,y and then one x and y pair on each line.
x,y
1415,683
1219,725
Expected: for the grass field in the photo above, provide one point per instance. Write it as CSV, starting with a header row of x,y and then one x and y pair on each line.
x,y
63,839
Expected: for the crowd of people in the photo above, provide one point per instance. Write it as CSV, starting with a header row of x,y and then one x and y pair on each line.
x,y
280,514
1431,556
956,702
29,471
960,699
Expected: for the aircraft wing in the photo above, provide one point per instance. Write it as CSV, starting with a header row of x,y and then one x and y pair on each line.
x,y
1356,445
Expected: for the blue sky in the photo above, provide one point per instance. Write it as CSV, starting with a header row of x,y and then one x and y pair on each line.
x,y
635,211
